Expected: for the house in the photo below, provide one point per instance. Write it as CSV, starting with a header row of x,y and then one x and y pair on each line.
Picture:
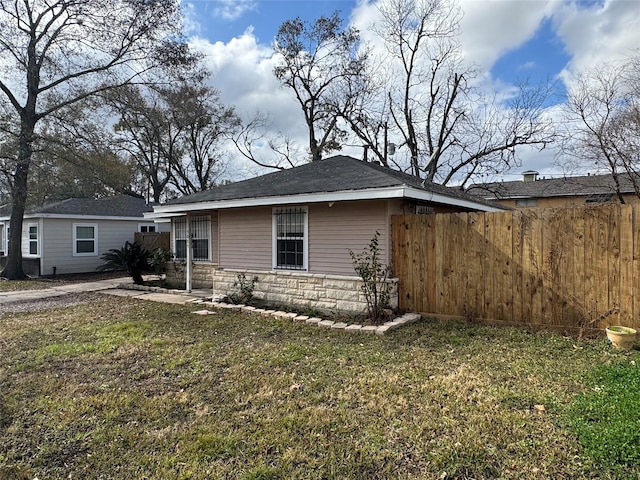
x,y
557,192
293,229
70,236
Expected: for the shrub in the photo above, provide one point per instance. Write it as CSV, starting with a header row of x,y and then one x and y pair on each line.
x,y
244,289
158,260
132,258
374,279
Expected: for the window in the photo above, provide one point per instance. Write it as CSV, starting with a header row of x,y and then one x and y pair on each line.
x,y
33,239
290,238
526,202
146,228
85,239
599,198
4,239
200,237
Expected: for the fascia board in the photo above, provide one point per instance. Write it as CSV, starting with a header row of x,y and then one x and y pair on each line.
x,y
82,217
368,194
416,194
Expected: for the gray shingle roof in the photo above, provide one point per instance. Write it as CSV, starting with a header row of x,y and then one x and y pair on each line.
x,y
553,187
335,174
116,206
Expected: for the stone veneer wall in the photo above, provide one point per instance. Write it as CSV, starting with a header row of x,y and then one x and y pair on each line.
x,y
321,292
201,277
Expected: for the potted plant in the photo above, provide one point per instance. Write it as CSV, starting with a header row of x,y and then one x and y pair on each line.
x,y
621,338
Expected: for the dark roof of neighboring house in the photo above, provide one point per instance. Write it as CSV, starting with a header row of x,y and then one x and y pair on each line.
x,y
116,206
554,187
335,174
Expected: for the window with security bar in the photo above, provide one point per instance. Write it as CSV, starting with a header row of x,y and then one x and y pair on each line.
x,y
290,238
200,237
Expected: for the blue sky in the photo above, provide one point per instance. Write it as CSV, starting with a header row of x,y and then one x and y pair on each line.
x,y
506,39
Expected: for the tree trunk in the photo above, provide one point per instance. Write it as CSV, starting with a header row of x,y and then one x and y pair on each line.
x,y
13,269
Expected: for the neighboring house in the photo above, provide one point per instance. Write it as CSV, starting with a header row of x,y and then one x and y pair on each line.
x,y
70,236
557,192
293,229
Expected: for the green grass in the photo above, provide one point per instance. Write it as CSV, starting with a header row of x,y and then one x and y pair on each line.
x,y
606,417
130,389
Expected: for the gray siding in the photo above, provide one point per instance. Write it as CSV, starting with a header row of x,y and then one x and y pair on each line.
x,y
245,238
57,243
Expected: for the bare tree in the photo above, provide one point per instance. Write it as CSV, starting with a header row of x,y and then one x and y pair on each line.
x,y
205,124
146,135
74,157
451,128
316,60
173,133
58,52
256,142
602,119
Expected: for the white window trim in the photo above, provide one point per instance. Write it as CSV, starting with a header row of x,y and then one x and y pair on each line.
x,y
4,240
140,225
274,240
95,240
37,240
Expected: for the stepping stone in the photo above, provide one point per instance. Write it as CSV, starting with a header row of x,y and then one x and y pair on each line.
x,y
326,323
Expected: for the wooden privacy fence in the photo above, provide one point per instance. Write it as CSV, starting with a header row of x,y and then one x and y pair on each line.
x,y
567,268
154,240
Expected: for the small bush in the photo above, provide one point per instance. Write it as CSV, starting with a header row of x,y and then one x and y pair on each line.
x,y
606,419
244,289
374,279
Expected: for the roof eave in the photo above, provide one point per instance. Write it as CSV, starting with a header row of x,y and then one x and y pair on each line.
x,y
400,191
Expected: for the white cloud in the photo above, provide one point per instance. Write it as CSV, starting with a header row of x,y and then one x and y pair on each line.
x,y
234,9
242,68
491,28
242,71
598,33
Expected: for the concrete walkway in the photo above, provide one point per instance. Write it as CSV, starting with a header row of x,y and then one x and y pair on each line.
x,y
109,286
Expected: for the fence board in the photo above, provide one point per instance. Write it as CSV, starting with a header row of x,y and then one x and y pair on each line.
x,y
153,240
626,265
556,268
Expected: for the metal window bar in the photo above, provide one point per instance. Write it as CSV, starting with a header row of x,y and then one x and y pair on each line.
x,y
290,238
180,239
200,237
200,233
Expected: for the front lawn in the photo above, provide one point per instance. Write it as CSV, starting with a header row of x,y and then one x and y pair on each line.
x,y
129,389
39,283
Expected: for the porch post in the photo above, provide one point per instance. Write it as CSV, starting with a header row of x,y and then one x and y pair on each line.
x,y
189,255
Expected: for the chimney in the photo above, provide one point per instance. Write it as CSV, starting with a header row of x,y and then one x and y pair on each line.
x,y
529,176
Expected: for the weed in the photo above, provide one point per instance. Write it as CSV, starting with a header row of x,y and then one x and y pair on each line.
x,y
607,417
244,289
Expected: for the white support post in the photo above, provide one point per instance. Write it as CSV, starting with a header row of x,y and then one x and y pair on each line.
x,y
189,255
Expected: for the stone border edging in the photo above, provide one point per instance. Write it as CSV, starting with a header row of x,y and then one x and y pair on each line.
x,y
405,319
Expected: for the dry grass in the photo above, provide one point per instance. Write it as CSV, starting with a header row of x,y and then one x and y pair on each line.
x,y
39,283
130,389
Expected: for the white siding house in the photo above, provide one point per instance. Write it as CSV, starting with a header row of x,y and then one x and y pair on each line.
x,y
70,236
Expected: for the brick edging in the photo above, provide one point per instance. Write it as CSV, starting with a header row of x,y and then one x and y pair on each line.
x,y
405,319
